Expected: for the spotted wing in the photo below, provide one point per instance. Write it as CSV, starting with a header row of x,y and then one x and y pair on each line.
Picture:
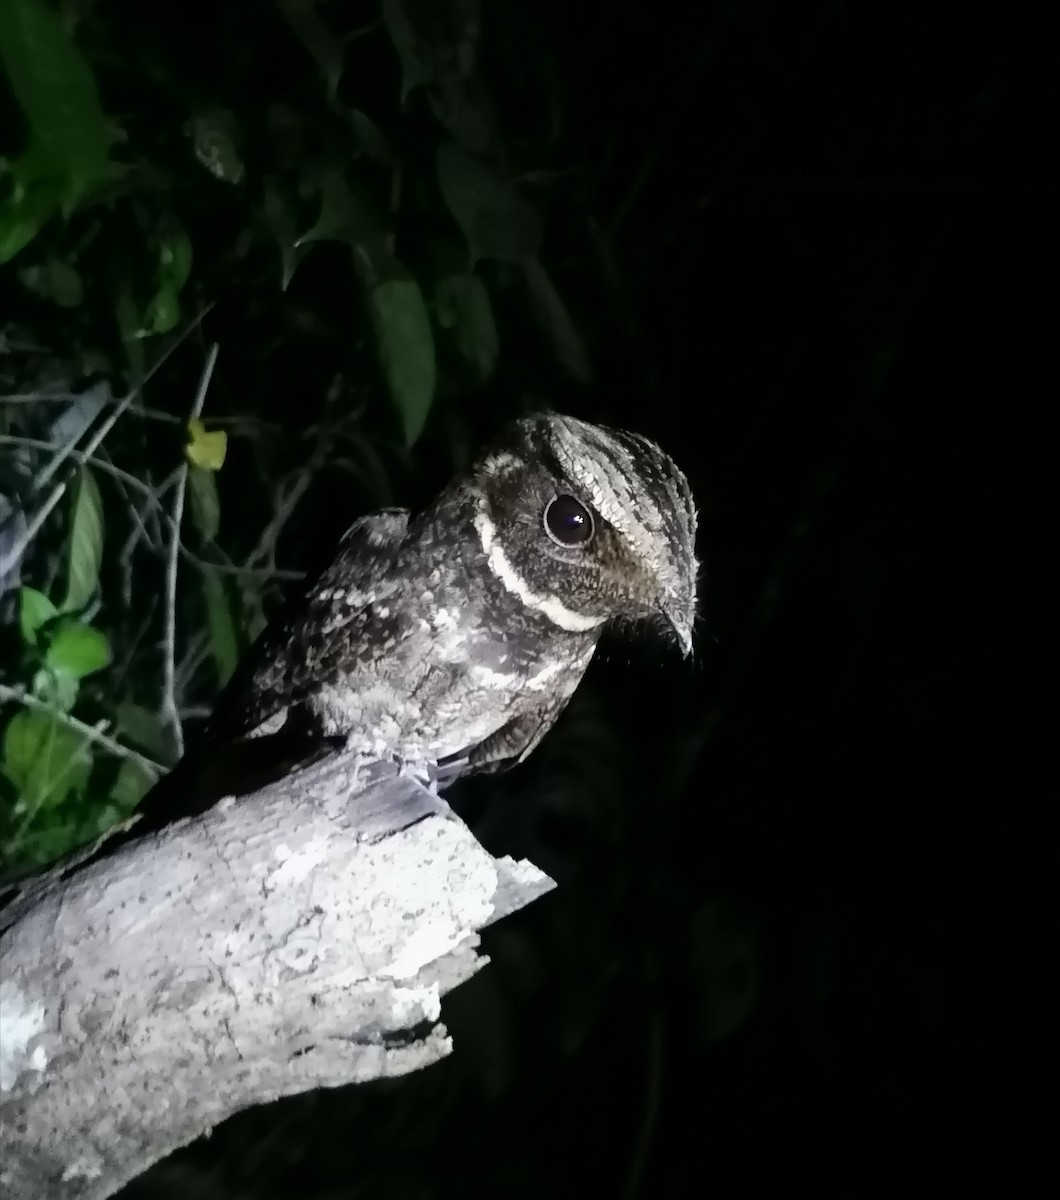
x,y
291,653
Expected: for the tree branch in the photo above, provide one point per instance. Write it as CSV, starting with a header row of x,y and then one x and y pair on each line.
x,y
298,938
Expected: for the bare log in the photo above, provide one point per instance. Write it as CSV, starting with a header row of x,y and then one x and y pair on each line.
x,y
298,938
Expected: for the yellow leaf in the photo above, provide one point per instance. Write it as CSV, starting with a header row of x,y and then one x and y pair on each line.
x,y
206,450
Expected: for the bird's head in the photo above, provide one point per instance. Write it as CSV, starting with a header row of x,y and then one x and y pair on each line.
x,y
586,524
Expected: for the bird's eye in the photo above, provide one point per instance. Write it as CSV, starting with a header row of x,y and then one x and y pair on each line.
x,y
568,522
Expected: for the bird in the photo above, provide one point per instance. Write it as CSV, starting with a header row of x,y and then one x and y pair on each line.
x,y
450,641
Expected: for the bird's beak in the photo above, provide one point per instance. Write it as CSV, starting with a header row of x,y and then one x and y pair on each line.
x,y
680,611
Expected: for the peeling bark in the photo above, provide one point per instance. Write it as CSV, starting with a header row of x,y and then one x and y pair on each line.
x,y
301,937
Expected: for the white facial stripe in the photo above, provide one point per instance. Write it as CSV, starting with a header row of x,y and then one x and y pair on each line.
x,y
549,606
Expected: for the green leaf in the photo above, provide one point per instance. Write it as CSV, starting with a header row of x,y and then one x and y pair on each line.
x,y
224,638
206,449
338,217
129,789
205,502
162,313
433,48
54,280
497,222
415,51
328,50
370,138
38,845
142,726
55,88
127,316
103,820
555,321
278,207
477,337
20,225
406,350
215,137
174,258
463,305
86,544
448,301
34,610
44,759
253,612
163,310
35,198
57,691
77,650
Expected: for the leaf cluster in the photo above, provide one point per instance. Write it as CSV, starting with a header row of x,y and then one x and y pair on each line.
x,y
351,201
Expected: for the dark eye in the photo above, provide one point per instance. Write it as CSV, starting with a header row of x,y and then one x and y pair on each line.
x,y
568,522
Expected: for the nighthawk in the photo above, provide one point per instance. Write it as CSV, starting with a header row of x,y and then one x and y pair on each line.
x,y
459,635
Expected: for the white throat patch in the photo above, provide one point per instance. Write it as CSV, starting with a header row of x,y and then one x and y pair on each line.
x,y
548,606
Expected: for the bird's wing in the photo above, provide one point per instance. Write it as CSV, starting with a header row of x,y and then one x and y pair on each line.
x,y
294,649
513,742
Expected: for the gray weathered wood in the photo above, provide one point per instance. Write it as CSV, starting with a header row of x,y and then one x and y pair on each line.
x,y
298,938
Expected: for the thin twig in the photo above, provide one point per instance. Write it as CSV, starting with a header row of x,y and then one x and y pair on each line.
x,y
267,574
169,700
196,712
241,425
266,546
41,398
44,512
46,472
91,733
153,496
84,459
137,534
120,671
267,542
197,652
